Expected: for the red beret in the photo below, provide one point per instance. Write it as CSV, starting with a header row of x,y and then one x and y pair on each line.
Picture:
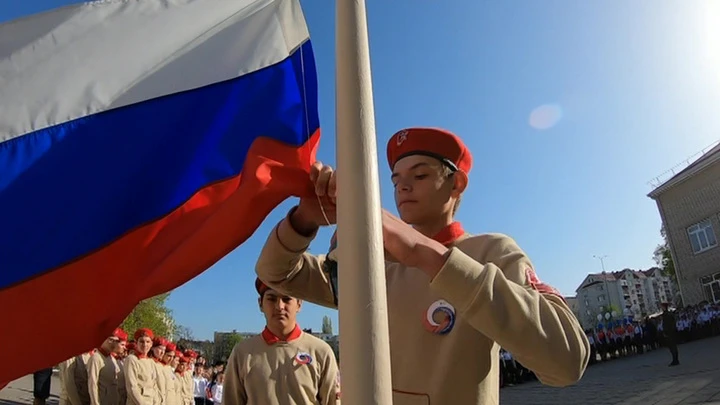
x,y
144,332
183,359
434,142
159,341
260,287
120,334
170,347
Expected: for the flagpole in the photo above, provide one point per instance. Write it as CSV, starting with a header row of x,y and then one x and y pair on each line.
x,y
365,343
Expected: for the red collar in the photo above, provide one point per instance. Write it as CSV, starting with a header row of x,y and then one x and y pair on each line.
x,y
140,355
450,234
271,339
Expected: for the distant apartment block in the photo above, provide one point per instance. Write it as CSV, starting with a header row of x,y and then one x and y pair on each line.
x,y
630,293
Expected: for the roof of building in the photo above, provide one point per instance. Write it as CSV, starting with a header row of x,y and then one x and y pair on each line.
x,y
702,163
616,275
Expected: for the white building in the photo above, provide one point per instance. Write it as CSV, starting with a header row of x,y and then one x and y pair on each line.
x,y
622,294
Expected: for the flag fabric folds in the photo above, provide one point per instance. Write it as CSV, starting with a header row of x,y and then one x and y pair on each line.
x,y
140,142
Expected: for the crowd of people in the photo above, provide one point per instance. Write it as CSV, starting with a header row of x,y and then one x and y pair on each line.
x,y
144,371
668,329
281,365
618,340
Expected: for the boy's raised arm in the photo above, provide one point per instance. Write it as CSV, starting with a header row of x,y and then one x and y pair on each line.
x,y
285,266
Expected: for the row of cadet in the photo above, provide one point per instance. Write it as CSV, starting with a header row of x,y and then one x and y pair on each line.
x,y
282,365
147,371
620,339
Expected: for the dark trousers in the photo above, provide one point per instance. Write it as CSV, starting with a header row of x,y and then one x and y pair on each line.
x,y
41,383
671,343
199,401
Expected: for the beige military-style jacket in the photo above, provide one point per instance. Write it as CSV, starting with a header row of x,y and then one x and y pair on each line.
x,y
446,333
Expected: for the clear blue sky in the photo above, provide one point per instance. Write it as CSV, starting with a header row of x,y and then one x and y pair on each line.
x,y
636,85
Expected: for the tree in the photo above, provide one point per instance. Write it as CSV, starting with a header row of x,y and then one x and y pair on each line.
x,y
183,333
151,313
663,257
227,343
327,328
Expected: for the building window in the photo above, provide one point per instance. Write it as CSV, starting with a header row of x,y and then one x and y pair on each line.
x,y
702,236
711,287
601,298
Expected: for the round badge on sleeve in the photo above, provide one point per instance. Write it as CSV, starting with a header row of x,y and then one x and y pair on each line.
x,y
439,317
303,358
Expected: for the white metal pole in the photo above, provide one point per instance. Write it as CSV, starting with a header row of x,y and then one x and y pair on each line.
x,y
362,298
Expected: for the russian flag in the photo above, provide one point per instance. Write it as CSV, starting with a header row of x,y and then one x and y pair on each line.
x,y
140,142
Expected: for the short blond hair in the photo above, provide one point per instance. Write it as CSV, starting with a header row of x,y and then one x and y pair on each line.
x,y
447,173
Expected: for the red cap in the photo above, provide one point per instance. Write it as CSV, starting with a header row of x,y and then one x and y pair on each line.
x,y
182,358
159,341
120,334
434,142
144,332
260,287
170,347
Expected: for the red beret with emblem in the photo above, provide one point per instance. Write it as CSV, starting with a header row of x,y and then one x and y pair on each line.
x,y
434,142
144,332
170,347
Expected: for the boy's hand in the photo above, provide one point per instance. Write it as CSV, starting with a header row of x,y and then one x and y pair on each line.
x,y
309,215
411,248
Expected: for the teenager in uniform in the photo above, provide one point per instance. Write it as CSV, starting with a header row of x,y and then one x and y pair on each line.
x,y
453,298
156,354
187,381
168,370
104,372
140,374
284,365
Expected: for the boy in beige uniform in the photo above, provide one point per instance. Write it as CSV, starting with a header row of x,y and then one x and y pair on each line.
x,y
104,371
80,395
282,366
68,389
169,364
156,354
453,298
140,374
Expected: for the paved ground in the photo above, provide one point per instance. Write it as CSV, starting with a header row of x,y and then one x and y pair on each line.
x,y
643,379
21,391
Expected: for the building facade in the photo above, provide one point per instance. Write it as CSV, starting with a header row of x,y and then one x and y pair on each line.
x,y
622,294
689,206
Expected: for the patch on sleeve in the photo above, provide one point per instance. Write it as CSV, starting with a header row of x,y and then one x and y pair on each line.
x,y
539,286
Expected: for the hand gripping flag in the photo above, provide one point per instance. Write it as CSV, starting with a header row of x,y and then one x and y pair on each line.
x,y
140,142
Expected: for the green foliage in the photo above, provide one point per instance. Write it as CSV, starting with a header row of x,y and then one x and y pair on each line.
x,y
663,257
151,313
226,345
327,327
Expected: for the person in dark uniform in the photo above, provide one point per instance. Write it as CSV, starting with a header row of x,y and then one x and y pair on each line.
x,y
41,385
670,331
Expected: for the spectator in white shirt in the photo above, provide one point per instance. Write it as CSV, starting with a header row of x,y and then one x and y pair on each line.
x,y
200,383
217,389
